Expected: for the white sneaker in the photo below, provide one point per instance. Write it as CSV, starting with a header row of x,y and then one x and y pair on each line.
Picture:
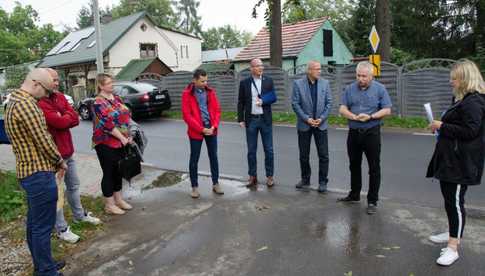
x,y
448,257
68,236
89,219
440,238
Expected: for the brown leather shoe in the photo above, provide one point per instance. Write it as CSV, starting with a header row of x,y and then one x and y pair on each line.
x,y
195,193
270,182
217,189
252,182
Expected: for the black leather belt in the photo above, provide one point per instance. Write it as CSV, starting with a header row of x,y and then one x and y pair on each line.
x,y
257,115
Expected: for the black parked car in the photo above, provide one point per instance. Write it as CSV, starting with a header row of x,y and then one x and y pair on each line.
x,y
141,98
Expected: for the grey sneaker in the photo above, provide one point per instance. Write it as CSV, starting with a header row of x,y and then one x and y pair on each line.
x,y
371,208
89,218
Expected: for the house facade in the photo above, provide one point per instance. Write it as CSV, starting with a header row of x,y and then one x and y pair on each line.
x,y
303,41
128,38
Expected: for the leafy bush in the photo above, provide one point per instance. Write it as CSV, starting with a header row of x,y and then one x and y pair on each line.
x,y
12,198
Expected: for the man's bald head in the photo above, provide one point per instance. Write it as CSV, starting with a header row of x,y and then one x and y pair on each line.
x,y
256,67
55,78
38,82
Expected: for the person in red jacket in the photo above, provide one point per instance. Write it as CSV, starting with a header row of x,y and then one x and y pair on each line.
x,y
60,118
201,113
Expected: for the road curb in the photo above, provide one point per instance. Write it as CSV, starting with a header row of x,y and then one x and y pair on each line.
x,y
412,131
476,212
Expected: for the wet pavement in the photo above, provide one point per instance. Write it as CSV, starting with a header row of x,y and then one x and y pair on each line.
x,y
271,232
404,158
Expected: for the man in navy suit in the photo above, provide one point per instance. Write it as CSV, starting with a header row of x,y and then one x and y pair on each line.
x,y
254,114
312,101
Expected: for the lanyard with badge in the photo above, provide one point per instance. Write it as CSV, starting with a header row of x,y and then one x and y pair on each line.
x,y
256,87
259,102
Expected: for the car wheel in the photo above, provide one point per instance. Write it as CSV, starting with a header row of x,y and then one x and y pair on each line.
x,y
84,112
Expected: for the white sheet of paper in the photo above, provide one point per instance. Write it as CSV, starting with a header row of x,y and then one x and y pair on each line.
x,y
429,112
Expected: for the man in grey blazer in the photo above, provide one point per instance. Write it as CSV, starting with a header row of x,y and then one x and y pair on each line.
x,y
312,101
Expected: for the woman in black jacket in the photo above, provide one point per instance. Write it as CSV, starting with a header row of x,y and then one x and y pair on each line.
x,y
459,154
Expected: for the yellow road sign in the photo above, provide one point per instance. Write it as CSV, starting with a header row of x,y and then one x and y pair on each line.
x,y
376,61
374,39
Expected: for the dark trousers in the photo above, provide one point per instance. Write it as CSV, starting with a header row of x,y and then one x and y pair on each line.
x,y
454,196
41,192
257,125
195,147
108,159
367,141
321,141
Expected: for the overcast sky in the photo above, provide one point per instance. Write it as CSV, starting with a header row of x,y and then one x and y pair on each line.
x,y
214,13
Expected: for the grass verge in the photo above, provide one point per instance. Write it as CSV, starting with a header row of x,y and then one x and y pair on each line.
x,y
13,209
290,118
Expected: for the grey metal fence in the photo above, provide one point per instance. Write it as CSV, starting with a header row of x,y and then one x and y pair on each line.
x,y
409,86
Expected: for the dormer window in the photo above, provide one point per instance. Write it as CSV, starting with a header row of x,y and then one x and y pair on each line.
x,y
148,50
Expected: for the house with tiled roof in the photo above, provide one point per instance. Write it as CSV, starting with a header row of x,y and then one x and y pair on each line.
x,y
135,41
303,41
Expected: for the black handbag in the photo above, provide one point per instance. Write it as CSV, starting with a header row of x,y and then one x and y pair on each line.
x,y
130,164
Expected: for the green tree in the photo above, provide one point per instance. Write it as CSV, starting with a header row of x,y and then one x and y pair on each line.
x,y
337,11
15,75
225,37
359,27
85,17
21,40
187,12
160,11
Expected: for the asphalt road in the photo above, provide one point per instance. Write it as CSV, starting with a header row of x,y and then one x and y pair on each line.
x,y
404,159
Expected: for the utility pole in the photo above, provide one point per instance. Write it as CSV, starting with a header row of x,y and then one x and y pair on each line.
x,y
99,43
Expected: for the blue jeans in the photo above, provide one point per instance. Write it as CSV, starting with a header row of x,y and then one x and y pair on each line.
x,y
72,182
195,147
41,192
257,125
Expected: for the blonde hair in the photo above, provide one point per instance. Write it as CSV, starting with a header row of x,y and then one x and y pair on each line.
x,y
100,80
469,78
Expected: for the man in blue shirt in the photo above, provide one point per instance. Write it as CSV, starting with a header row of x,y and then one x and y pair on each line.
x,y
364,103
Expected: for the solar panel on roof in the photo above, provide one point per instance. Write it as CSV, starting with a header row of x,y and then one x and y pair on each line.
x,y
71,41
